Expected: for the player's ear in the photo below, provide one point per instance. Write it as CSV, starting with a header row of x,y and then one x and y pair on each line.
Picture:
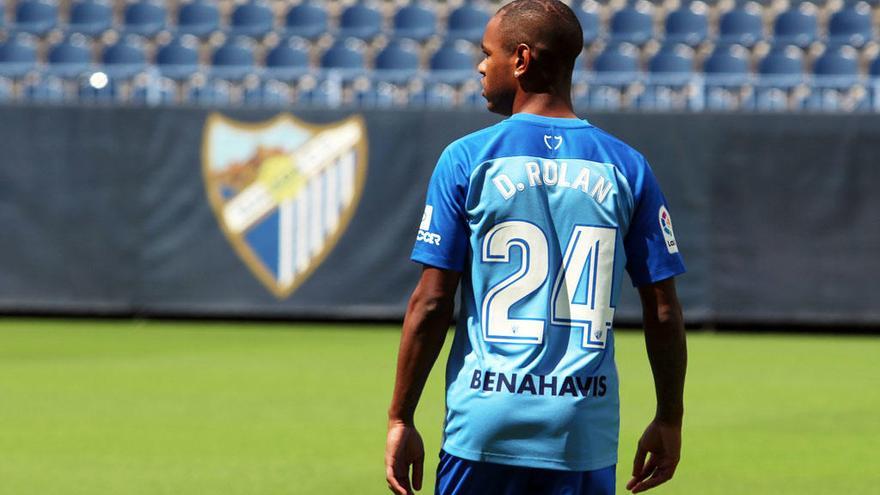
x,y
523,57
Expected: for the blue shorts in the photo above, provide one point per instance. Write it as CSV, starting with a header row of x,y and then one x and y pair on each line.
x,y
456,476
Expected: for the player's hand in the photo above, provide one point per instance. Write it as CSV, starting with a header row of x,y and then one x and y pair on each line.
x,y
403,448
663,442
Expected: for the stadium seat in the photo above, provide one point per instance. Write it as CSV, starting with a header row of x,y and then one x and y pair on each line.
x,y
633,23
796,26
836,81
179,58
44,89
71,57
253,19
198,18
144,18
837,61
35,16
289,60
124,59
18,56
151,91
874,68
689,24
672,60
781,70
727,65
727,78
91,17
786,61
467,22
614,71
360,20
453,63
851,25
398,62
233,60
415,21
306,20
213,93
617,61
345,59
587,13
669,77
742,25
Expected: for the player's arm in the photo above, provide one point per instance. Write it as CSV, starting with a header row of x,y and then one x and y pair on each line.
x,y
667,352
424,330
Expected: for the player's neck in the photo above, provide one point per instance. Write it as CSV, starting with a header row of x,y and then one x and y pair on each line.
x,y
545,104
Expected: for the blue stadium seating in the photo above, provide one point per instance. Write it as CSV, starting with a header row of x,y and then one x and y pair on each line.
x,y
741,25
393,42
398,62
797,26
288,60
453,63
18,56
633,24
851,25
306,20
726,78
669,77
124,59
781,70
617,61
253,19
836,75
360,20
179,58
345,59
415,21
145,18
71,57
467,22
233,60
727,65
91,17
588,15
46,89
35,16
198,18
675,60
689,24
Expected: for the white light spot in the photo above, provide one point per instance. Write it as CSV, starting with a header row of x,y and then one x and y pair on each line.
x,y
98,80
520,186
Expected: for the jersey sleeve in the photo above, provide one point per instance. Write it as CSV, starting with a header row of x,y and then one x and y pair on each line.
x,y
442,239
651,249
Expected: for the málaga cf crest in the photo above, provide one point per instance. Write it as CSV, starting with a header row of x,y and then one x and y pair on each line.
x,y
283,190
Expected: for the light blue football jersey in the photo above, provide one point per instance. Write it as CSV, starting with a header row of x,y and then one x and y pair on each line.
x,y
541,215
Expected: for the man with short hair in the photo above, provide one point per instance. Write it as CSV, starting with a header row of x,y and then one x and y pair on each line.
x,y
537,216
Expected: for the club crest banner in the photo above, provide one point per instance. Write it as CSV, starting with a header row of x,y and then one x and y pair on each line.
x,y
283,191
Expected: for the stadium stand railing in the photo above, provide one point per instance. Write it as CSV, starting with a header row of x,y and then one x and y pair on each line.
x,y
666,55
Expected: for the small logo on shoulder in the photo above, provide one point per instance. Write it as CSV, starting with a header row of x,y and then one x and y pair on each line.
x,y
666,228
425,226
552,142
426,218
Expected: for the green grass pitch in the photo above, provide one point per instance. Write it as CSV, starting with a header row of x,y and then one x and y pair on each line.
x,y
110,407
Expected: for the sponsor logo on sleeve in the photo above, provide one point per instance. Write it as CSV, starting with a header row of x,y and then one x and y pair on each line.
x,y
426,218
666,228
425,226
